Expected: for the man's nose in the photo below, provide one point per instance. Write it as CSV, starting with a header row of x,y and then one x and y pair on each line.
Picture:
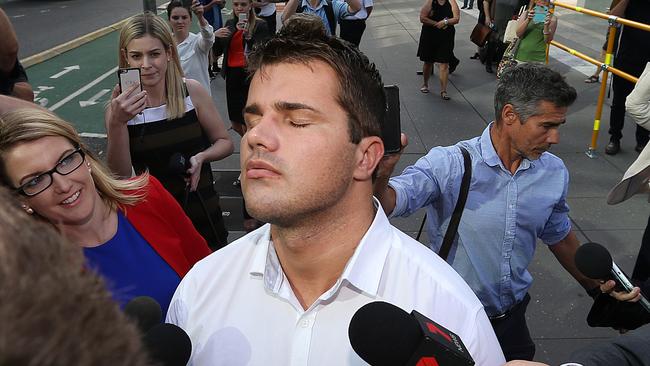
x,y
264,134
553,136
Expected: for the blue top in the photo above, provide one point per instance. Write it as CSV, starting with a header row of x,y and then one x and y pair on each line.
x,y
131,267
339,7
504,215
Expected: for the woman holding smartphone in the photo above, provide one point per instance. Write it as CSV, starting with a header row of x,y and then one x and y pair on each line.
x,y
171,128
236,39
132,231
535,30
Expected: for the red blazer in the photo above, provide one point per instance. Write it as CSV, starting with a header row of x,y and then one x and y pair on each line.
x,y
163,224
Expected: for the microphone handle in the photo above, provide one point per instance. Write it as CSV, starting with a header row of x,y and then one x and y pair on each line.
x,y
627,285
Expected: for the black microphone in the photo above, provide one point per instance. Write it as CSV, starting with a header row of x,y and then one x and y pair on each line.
x,y
145,311
178,164
384,335
168,345
595,262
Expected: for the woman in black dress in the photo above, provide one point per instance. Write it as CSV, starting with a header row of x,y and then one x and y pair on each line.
x,y
437,40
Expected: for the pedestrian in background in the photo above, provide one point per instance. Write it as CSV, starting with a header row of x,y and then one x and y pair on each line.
x,y
535,31
353,26
437,40
193,50
632,56
236,40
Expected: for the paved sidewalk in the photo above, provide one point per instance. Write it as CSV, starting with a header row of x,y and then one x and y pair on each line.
x,y
559,306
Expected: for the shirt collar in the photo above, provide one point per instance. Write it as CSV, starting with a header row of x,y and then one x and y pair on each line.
x,y
308,4
489,153
363,270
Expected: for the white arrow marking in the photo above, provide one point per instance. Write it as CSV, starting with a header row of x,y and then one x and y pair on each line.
x,y
42,89
93,99
78,92
66,70
41,101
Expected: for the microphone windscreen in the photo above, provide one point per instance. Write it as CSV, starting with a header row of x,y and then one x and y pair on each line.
x,y
145,311
178,164
168,345
594,261
383,334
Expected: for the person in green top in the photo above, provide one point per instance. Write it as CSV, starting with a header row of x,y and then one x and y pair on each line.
x,y
535,29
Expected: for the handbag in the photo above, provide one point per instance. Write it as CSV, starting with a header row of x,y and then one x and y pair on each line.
x,y
452,229
511,28
508,60
480,34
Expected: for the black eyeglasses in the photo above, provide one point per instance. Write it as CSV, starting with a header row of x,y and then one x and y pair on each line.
x,y
43,181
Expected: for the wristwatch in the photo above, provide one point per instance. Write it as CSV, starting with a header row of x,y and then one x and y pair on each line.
x,y
446,22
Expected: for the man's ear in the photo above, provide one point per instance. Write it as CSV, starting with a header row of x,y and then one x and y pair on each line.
x,y
370,150
509,115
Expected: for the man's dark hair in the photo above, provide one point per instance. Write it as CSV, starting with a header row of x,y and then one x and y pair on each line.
x,y
527,85
178,4
360,90
52,311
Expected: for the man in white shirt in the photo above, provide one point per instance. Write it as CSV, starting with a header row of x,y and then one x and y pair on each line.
x,y
193,49
285,293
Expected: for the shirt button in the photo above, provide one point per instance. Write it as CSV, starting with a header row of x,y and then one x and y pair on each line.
x,y
304,323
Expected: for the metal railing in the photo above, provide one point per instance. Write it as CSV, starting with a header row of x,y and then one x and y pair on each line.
x,y
606,66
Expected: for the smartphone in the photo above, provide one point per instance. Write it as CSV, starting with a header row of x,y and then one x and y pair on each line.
x,y
243,17
540,13
391,129
129,77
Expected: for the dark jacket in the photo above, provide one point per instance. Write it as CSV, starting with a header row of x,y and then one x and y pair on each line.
x,y
260,33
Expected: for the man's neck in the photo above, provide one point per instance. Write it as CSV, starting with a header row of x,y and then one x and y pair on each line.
x,y
314,3
314,253
504,149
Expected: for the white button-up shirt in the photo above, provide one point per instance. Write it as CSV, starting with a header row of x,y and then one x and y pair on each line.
x,y
193,52
238,307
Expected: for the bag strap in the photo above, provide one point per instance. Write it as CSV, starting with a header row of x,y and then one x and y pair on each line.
x,y
329,13
460,206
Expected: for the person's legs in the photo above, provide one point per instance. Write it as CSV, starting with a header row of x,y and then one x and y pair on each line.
x,y
443,74
426,73
471,4
513,334
621,88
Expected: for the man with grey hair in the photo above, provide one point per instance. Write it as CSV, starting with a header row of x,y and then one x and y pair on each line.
x,y
517,194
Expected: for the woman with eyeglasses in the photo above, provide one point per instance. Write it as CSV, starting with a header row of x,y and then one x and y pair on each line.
x,y
132,231
171,128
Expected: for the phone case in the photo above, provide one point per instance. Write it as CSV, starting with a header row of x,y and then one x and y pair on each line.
x,y
540,14
128,77
391,128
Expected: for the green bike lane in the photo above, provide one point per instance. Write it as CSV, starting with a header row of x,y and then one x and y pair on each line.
x,y
77,84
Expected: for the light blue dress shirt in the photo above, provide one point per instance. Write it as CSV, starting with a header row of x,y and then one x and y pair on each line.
x,y
504,215
340,8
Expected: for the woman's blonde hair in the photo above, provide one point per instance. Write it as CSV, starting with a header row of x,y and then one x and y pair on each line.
x,y
150,24
29,124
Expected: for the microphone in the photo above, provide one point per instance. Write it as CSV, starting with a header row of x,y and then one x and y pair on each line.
x,y
595,262
168,345
384,335
178,164
144,311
